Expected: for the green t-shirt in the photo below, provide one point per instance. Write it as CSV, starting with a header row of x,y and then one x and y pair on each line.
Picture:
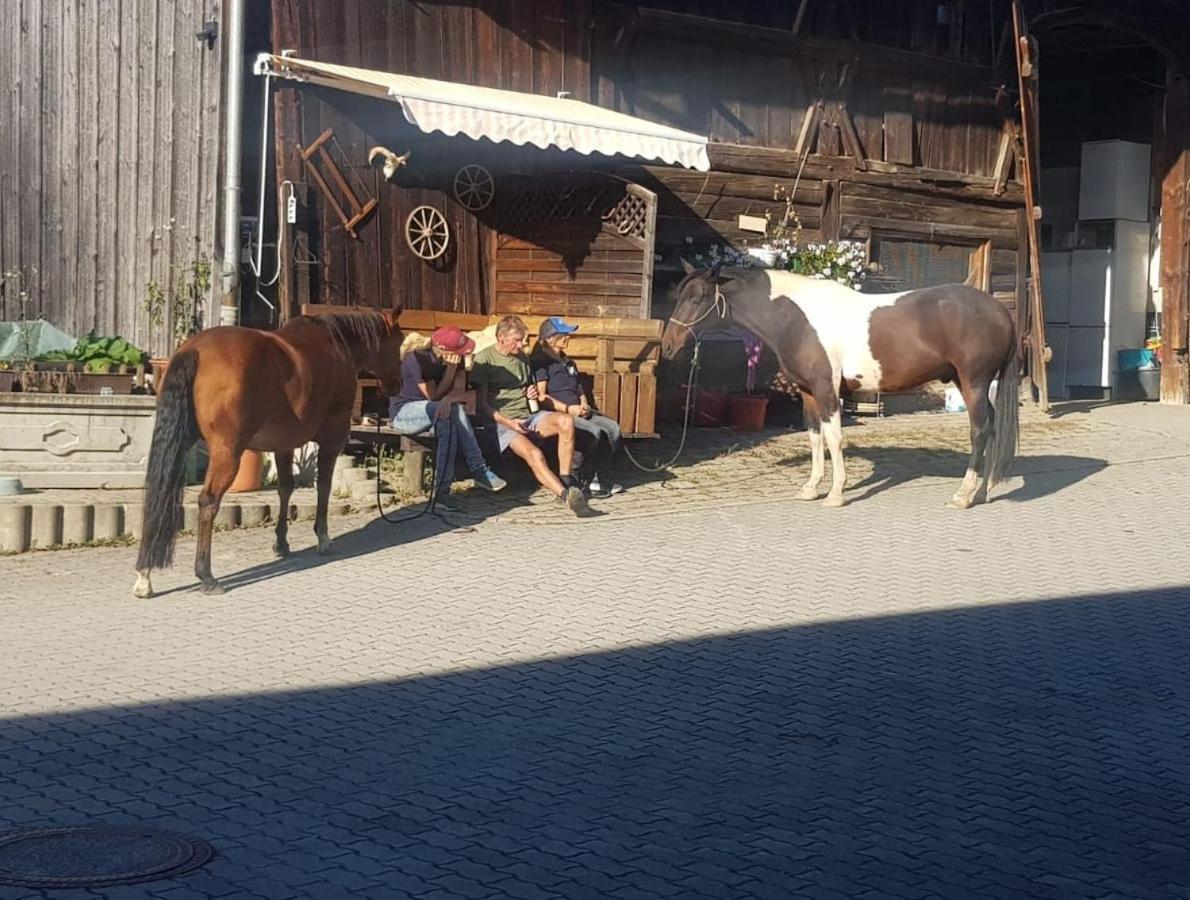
x,y
502,380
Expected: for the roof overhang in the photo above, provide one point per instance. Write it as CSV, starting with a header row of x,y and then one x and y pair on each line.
x,y
451,108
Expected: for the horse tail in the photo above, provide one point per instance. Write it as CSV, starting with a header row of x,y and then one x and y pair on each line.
x,y
174,433
1002,445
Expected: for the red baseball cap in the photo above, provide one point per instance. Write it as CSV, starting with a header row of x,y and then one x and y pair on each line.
x,y
451,339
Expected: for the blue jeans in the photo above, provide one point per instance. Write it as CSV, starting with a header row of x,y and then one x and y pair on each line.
x,y
600,426
453,432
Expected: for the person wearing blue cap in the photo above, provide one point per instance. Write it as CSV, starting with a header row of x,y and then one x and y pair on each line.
x,y
560,389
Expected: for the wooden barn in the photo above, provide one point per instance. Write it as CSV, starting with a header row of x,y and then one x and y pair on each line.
x,y
545,156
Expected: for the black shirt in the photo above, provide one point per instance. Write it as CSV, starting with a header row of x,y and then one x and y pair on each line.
x,y
418,366
560,375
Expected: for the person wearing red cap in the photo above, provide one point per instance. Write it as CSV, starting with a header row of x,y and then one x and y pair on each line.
x,y
427,400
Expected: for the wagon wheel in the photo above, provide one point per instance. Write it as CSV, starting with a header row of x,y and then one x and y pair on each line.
x,y
474,187
427,233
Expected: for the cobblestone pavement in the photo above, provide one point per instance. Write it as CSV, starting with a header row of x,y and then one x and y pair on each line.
x,y
711,691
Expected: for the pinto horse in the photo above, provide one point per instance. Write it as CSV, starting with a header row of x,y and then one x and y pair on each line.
x,y
242,389
830,339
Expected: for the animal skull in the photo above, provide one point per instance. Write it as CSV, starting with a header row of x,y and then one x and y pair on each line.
x,y
392,162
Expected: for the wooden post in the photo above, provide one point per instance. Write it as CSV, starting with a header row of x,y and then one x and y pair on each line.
x,y
1175,242
1026,69
412,476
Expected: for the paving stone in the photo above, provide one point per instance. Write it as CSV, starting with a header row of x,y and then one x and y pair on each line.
x,y
721,692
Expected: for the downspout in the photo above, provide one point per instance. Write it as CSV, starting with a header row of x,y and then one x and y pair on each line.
x,y
229,309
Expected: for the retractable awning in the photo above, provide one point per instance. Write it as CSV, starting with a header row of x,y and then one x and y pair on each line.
x,y
480,112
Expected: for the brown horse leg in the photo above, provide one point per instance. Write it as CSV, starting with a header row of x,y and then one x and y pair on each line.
x,y
979,414
221,472
327,454
813,421
284,460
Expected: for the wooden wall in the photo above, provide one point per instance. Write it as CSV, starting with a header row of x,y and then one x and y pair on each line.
x,y
109,153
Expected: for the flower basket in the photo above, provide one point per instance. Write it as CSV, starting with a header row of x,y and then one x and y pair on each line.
x,y
746,412
249,475
710,408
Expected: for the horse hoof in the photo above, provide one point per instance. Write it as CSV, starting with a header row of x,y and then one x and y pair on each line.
x,y
213,588
143,587
281,550
326,547
808,493
959,503
834,502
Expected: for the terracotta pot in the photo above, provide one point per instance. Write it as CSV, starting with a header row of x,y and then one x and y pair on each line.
x,y
746,412
248,477
710,409
158,366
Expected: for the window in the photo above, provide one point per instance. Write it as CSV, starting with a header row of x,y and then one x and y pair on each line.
x,y
904,264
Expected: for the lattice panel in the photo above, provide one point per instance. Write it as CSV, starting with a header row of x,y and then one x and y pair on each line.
x,y
539,205
629,217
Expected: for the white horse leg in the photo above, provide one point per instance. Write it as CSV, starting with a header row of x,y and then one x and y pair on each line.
x,y
833,428
144,584
817,457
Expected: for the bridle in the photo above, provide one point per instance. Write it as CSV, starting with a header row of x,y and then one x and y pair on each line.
x,y
719,306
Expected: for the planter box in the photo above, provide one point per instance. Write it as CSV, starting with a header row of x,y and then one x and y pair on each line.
x,y
76,440
6,381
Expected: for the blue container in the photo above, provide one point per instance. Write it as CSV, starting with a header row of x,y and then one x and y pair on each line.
x,y
1136,360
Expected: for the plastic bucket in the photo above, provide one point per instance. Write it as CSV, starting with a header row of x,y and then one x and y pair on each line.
x,y
746,412
710,409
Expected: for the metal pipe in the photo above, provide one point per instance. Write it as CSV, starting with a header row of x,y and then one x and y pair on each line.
x,y
229,310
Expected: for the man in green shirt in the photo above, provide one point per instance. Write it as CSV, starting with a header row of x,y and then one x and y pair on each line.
x,y
505,394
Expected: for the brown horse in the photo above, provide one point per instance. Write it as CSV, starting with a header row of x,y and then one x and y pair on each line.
x,y
829,339
241,389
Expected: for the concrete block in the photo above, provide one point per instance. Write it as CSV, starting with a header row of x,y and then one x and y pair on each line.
x,y
227,517
16,523
45,529
253,515
338,508
109,521
190,517
356,476
78,521
134,515
306,511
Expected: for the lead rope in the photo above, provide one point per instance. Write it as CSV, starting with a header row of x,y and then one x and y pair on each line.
x,y
720,307
431,500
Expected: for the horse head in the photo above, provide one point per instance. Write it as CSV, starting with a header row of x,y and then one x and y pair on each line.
x,y
385,361
699,300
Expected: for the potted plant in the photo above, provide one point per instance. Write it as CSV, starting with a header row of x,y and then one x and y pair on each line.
x,y
184,301
746,411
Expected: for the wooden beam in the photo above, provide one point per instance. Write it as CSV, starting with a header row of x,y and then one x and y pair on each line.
x,y
1027,80
1175,242
800,17
778,42
1004,157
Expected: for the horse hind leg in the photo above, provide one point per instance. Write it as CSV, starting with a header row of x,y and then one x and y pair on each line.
x,y
221,472
284,460
973,488
327,454
817,459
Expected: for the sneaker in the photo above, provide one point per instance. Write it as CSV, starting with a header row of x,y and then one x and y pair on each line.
x,y
573,497
490,481
447,504
598,489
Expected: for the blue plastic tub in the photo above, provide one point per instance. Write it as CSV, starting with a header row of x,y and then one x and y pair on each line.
x,y
1136,360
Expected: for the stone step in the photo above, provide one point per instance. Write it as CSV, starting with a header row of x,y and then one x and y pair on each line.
x,y
50,526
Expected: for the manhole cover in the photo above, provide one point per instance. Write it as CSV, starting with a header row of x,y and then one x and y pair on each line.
x,y
96,856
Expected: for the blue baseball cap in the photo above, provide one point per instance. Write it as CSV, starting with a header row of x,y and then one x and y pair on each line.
x,y
555,325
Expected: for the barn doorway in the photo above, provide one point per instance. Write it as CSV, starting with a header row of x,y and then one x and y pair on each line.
x,y
1101,94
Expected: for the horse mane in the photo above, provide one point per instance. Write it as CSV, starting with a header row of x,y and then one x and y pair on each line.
x,y
366,330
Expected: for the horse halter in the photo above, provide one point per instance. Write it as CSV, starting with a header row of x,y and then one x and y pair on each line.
x,y
719,306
